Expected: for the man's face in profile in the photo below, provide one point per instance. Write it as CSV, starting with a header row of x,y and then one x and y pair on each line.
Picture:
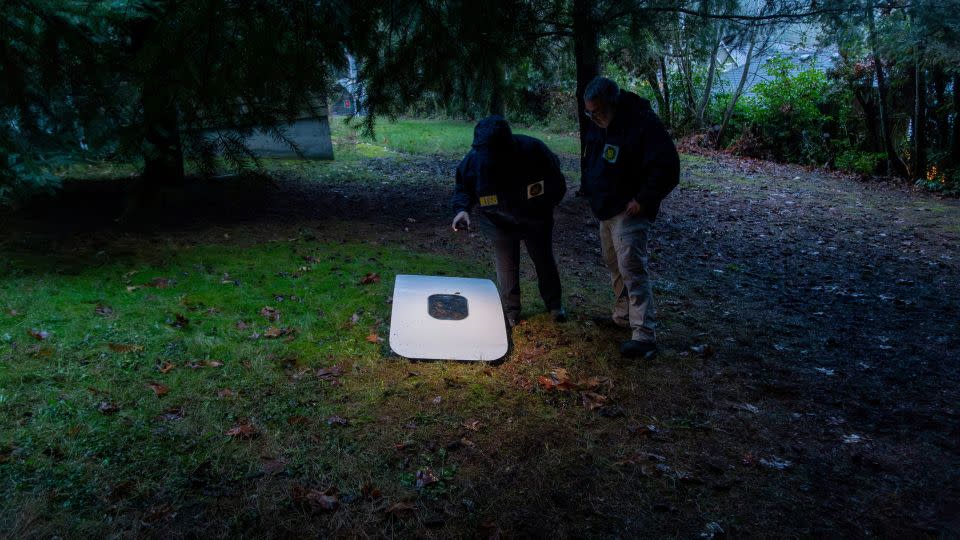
x,y
598,112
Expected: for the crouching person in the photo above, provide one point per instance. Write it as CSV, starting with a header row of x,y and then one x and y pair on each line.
x,y
516,182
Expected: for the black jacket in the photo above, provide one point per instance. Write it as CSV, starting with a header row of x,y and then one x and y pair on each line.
x,y
514,178
634,158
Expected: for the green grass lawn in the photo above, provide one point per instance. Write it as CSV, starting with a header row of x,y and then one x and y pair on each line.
x,y
409,136
145,383
393,139
122,375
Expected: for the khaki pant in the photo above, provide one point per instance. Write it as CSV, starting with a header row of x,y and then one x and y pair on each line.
x,y
624,242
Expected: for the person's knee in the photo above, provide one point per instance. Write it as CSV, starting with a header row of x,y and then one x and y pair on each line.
x,y
632,261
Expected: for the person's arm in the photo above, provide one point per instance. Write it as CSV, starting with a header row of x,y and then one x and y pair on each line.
x,y
659,165
554,181
465,191
464,198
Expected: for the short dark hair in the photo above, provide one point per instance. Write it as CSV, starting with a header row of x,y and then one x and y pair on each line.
x,y
602,89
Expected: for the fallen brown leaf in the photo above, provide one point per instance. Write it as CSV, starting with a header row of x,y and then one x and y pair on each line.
x,y
297,420
562,378
367,491
270,314
559,378
330,373
472,425
158,389
214,363
274,332
243,430
166,367
370,278
374,338
158,282
103,311
38,335
592,400
546,382
225,393
40,351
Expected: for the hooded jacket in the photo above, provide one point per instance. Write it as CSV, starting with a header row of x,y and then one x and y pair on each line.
x,y
634,158
514,178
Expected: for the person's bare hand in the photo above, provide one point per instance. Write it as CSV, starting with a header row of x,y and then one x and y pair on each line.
x,y
461,221
634,208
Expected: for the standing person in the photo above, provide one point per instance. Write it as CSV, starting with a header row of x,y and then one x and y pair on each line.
x,y
517,182
629,165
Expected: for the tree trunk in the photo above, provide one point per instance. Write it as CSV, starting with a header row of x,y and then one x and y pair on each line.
x,y
955,148
941,113
895,165
161,147
666,115
586,52
919,118
736,94
650,72
689,97
708,85
870,114
497,105
163,150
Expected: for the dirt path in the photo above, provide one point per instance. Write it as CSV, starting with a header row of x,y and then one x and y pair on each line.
x,y
832,306
833,309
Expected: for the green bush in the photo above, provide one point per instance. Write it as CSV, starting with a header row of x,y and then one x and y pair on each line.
x,y
859,162
21,178
786,111
739,120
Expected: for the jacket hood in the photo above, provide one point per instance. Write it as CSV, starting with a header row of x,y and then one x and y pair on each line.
x,y
631,101
492,133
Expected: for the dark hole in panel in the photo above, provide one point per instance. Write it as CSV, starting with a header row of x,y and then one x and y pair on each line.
x,y
447,307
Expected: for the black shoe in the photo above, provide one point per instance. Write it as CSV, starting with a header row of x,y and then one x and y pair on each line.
x,y
558,315
636,349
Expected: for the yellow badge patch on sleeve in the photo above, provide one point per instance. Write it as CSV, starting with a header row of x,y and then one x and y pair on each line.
x,y
488,200
611,153
535,189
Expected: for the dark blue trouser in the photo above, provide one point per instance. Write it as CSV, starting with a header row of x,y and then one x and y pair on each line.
x,y
538,237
